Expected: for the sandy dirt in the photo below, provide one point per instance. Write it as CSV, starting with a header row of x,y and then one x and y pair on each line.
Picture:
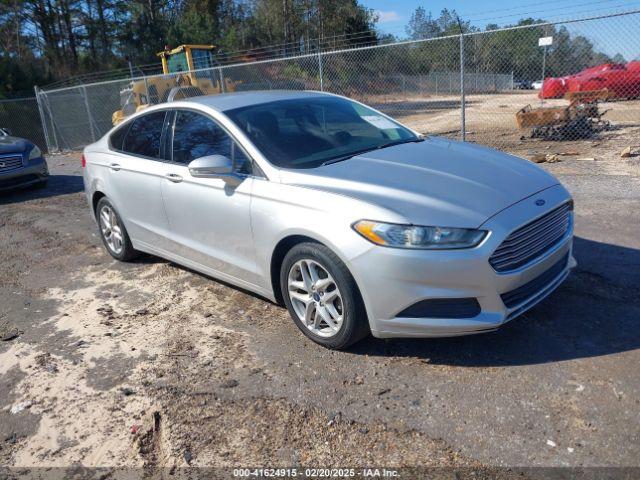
x,y
491,115
146,376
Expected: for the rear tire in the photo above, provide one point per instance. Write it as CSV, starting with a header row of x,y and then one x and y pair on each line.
x,y
322,297
113,233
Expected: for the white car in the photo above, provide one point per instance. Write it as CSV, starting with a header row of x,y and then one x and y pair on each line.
x,y
537,85
355,222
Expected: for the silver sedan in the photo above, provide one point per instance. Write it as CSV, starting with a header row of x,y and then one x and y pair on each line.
x,y
355,222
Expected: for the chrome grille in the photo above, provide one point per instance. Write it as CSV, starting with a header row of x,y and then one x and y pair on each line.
x,y
532,240
10,163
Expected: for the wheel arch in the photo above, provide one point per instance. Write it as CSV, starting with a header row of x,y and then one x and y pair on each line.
x,y
289,241
279,252
97,195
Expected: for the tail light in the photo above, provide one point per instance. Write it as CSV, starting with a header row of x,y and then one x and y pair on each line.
x,y
84,161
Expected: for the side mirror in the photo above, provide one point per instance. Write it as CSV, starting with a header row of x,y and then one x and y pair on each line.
x,y
215,166
211,166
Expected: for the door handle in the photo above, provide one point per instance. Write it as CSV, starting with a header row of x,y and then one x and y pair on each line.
x,y
173,177
115,167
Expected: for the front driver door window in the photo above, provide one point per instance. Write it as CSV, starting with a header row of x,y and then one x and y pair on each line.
x,y
195,136
209,218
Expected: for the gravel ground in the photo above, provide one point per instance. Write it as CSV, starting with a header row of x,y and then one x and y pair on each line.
x,y
148,364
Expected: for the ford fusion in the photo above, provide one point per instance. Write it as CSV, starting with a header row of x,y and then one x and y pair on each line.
x,y
355,222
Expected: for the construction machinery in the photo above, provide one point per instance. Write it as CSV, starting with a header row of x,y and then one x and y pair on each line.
x,y
187,72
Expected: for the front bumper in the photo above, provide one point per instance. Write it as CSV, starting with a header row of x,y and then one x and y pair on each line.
x,y
32,171
391,280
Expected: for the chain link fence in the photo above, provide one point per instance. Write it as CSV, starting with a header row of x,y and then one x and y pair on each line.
x,y
591,72
22,119
481,86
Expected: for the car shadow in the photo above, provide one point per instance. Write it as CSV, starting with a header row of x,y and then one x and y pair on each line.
x,y
56,185
595,312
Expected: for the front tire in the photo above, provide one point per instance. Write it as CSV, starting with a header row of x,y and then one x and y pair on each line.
x,y
113,233
322,296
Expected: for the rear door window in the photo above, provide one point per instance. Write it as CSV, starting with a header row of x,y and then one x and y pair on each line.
x,y
144,135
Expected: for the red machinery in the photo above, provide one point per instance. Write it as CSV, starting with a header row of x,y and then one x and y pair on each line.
x,y
619,80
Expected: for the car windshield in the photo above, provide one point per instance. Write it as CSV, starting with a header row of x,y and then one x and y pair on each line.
x,y
309,132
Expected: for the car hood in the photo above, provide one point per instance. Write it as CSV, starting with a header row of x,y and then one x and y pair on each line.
x,y
435,182
14,145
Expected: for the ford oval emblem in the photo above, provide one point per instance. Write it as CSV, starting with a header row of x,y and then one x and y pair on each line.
x,y
540,202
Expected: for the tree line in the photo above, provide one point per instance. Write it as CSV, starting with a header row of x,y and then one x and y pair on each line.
x,y
512,49
48,40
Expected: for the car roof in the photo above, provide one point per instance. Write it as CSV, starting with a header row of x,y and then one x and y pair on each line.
x,y
229,101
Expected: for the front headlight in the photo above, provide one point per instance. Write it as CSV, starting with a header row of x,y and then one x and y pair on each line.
x,y
35,153
412,236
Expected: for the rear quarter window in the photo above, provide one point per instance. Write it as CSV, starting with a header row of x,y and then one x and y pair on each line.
x,y
117,138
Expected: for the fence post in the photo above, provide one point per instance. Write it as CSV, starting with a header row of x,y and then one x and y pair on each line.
x,y
222,89
47,105
463,121
320,72
86,105
146,89
42,119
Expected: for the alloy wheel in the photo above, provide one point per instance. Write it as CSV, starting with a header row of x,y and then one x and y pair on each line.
x,y
110,228
315,297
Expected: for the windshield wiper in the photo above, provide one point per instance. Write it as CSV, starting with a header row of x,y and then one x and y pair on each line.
x,y
379,147
393,144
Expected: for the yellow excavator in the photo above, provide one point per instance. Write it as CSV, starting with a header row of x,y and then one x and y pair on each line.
x,y
188,72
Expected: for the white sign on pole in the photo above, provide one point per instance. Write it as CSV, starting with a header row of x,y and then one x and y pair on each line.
x,y
545,41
